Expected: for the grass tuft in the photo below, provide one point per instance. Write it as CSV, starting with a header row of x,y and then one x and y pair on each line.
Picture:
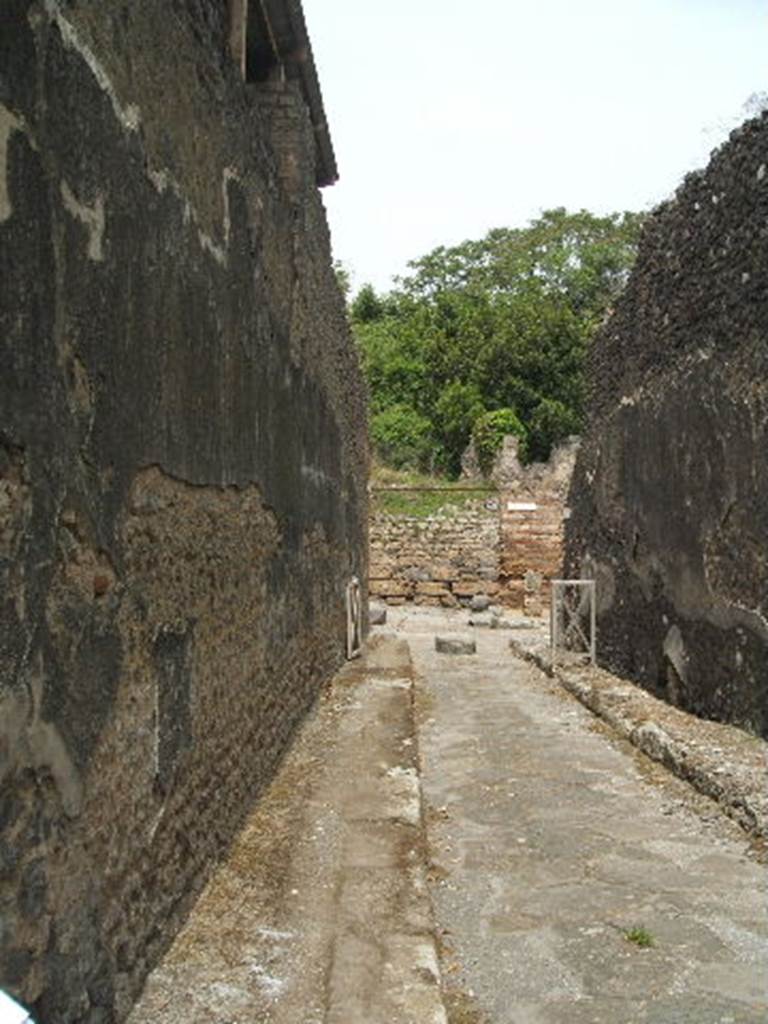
x,y
640,937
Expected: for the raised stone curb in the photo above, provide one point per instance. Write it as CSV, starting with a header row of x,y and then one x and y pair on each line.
x,y
455,645
482,620
496,619
720,761
327,883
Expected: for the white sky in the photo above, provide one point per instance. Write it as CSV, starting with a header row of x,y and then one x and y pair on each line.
x,y
450,118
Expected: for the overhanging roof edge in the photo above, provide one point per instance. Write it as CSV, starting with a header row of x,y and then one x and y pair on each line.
x,y
290,13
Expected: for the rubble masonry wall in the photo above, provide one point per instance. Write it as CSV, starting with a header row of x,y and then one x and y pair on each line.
x,y
670,493
507,545
183,467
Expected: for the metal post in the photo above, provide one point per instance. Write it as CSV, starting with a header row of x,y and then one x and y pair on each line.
x,y
552,623
353,608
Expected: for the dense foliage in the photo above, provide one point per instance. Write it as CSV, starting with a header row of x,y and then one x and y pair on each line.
x,y
496,326
490,429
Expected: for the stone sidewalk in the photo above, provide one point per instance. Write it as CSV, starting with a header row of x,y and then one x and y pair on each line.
x,y
321,912
719,760
554,844
457,839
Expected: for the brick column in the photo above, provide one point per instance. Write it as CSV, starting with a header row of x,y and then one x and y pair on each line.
x,y
532,540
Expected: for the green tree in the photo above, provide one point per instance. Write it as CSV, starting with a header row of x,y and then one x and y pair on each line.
x,y
457,408
490,430
367,305
499,323
392,356
551,423
403,438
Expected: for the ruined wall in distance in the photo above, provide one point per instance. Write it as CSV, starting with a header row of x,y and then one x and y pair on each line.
x,y
183,467
670,494
507,545
439,559
533,512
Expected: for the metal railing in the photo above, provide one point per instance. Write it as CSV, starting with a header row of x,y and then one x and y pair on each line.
x,y
572,619
354,618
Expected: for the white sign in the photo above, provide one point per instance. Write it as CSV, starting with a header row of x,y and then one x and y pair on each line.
x,y
521,506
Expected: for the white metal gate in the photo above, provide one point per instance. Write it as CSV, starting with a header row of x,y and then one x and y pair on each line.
x,y
572,621
354,618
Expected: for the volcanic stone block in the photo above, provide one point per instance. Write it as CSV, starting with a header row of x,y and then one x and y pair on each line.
x,y
389,588
432,589
482,620
377,616
455,645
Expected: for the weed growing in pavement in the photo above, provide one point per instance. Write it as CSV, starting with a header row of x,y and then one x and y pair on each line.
x,y
641,937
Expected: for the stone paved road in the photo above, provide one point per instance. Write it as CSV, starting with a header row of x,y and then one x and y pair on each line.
x,y
550,841
546,841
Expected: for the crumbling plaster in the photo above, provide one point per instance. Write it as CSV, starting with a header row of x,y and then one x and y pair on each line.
x,y
670,494
183,466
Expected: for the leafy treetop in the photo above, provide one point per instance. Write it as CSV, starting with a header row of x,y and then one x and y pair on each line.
x,y
501,323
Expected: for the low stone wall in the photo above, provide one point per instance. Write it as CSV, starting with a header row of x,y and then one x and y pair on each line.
x,y
507,546
441,559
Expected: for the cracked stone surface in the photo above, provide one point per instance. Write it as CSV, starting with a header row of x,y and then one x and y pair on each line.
x,y
550,839
460,841
320,914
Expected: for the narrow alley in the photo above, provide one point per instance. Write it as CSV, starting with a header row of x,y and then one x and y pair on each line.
x,y
457,839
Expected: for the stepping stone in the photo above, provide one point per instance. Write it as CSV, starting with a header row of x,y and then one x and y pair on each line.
x,y
454,645
482,620
377,615
500,622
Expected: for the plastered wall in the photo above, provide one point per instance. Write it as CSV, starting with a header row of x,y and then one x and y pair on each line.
x,y
183,464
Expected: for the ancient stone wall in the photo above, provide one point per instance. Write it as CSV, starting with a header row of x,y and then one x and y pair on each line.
x,y
670,494
183,465
440,559
533,515
507,546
